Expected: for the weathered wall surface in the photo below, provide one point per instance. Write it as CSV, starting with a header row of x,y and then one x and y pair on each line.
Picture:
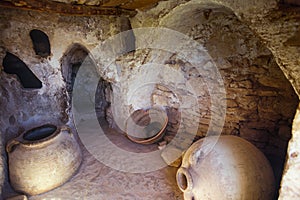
x,y
278,27
22,109
252,43
29,107
289,184
261,101
280,31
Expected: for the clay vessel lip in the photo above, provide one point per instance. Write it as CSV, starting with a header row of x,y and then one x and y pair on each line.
x,y
184,179
34,142
45,163
154,138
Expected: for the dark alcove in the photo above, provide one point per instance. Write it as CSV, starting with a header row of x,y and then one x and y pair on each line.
x,y
40,43
103,101
14,65
40,133
71,62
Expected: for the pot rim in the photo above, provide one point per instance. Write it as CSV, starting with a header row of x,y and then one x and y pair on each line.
x,y
49,138
154,138
184,179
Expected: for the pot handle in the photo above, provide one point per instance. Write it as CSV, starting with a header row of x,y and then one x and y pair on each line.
x,y
10,145
184,179
67,129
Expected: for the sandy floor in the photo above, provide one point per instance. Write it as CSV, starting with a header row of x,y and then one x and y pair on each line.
x,y
95,181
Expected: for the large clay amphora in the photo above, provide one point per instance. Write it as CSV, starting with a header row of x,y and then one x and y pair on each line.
x,y
42,159
227,168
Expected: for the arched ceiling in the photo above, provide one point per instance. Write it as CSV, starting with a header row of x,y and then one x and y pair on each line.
x,y
94,7
82,7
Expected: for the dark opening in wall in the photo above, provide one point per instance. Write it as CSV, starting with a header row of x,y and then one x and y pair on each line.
x,y
261,102
76,58
71,62
14,65
74,70
103,101
40,43
292,2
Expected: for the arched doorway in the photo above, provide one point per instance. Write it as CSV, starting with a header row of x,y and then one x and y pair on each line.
x,y
71,62
261,102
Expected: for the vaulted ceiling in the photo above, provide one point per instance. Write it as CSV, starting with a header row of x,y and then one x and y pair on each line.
x,y
92,7
82,7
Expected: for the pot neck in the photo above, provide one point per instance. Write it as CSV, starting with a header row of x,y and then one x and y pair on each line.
x,y
40,142
184,179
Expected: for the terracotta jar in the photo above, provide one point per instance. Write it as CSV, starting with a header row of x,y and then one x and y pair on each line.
x,y
231,169
147,126
42,159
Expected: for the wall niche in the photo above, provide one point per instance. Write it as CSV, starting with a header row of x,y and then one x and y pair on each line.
x,y
14,65
76,57
41,44
261,103
71,62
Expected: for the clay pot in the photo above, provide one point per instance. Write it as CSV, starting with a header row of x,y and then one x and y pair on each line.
x,y
42,159
146,126
231,169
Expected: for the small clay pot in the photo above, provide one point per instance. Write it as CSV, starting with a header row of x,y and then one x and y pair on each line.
x,y
231,169
146,126
42,159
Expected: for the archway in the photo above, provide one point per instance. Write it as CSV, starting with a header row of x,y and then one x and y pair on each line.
x,y
261,102
71,62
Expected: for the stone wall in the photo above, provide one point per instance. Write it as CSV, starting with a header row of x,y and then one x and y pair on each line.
x,y
289,184
249,42
261,102
23,108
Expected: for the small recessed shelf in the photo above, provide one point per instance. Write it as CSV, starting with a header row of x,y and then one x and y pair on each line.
x,y
14,65
40,43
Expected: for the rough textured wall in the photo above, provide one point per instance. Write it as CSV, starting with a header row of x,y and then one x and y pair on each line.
x,y
257,91
27,107
280,31
22,109
278,27
290,181
261,102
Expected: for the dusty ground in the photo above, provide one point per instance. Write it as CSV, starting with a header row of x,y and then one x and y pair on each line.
x,y
95,181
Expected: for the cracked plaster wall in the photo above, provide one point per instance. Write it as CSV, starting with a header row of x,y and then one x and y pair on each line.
x,y
277,26
22,109
273,27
